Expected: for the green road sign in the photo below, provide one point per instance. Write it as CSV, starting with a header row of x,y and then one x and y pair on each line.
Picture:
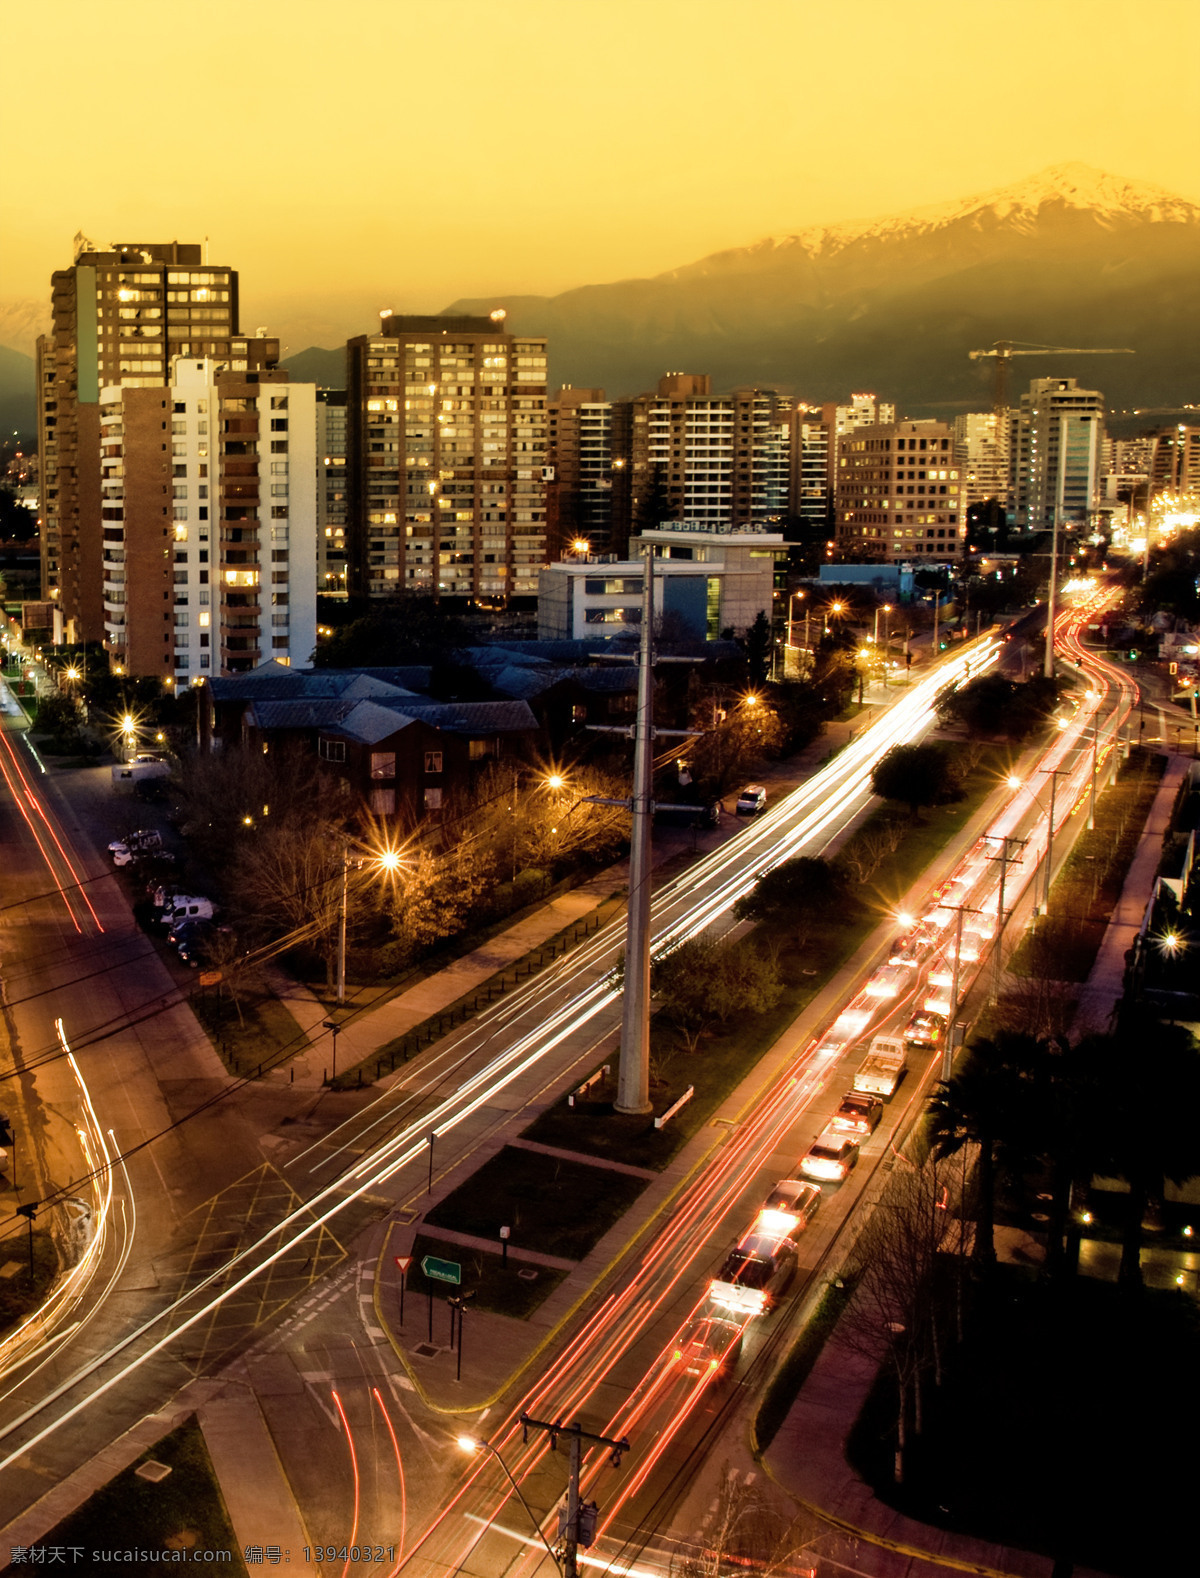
x,y
441,1270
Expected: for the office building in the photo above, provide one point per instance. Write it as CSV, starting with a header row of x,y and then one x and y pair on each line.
x,y
899,494
1176,459
119,318
1056,438
712,579
332,506
446,458
208,506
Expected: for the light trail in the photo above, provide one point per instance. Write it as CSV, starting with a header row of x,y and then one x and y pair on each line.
x,y
908,716
23,794
354,1469
629,1312
391,1430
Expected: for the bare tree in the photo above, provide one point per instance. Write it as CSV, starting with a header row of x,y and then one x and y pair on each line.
x,y
748,1532
894,1317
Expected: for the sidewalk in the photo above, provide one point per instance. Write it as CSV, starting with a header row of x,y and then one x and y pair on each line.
x,y
1102,990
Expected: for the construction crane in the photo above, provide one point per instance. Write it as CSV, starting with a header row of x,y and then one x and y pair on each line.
x,y
1005,350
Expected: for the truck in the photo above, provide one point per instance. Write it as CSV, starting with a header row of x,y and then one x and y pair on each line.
x,y
880,1071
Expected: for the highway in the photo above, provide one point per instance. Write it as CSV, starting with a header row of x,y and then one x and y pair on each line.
x,y
621,1371
502,1059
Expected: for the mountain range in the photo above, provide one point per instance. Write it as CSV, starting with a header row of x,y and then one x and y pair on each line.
x,y
1069,257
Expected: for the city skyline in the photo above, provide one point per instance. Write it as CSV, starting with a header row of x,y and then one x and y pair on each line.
x,y
433,187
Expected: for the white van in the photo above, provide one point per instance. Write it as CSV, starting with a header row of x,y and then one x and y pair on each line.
x,y
184,907
752,800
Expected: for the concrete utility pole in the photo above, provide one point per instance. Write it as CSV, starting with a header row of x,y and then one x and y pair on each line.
x,y
577,1521
633,1078
1054,772
1004,840
948,1044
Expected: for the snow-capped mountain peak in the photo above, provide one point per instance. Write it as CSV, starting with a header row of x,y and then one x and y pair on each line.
x,y
1108,198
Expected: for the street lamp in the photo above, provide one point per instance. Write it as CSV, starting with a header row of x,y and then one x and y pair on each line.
x,y
473,1444
387,860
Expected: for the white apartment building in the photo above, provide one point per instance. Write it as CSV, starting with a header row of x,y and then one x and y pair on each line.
x,y
210,550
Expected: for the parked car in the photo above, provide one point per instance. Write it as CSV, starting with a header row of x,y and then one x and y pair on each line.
x,y
146,841
752,800
830,1157
184,907
858,1113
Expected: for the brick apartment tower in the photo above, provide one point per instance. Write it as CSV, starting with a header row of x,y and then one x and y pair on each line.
x,y
445,459
119,316
209,505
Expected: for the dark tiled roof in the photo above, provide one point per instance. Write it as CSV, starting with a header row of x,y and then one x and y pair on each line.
x,y
474,717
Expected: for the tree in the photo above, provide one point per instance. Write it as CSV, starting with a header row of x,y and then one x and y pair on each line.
x,y
17,524
986,1105
704,982
406,629
994,704
918,775
746,1532
1143,1147
730,750
655,504
894,1316
757,642
791,897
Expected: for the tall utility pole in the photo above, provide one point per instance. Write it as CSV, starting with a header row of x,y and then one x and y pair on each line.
x,y
1149,496
948,1044
1052,605
1054,772
1004,840
633,1078
577,1521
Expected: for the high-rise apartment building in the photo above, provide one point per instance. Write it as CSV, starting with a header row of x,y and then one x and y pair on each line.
x,y
981,454
446,458
119,318
1176,459
899,493
1056,438
686,454
579,454
208,488
332,506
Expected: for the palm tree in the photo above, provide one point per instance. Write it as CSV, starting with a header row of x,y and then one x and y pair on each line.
x,y
986,1104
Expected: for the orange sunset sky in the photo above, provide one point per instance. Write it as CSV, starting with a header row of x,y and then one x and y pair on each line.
x,y
402,153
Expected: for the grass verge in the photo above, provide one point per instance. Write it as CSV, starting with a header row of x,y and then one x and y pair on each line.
x,y
176,1519
1056,1428
262,1034
19,1296
797,1367
1063,944
554,1206
727,1055
496,1287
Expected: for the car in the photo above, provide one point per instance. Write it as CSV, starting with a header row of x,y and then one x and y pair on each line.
x,y
789,1207
858,1113
752,800
711,1342
146,841
925,1029
830,1157
912,950
888,981
755,1274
